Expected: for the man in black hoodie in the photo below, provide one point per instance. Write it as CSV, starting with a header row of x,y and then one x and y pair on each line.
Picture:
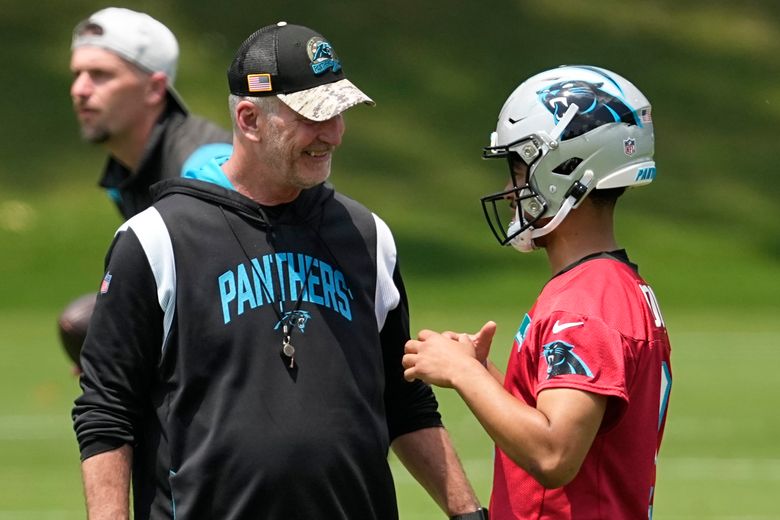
x,y
244,360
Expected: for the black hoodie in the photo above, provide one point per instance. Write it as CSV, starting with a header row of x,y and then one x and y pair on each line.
x,y
183,359
174,139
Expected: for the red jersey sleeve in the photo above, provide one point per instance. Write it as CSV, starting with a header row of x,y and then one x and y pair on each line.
x,y
580,352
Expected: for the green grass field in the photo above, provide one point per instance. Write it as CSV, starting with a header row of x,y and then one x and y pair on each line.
x,y
706,233
720,458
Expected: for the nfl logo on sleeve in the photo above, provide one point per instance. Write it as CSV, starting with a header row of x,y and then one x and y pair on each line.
x,y
106,282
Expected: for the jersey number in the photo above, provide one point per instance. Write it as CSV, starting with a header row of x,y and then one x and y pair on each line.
x,y
652,302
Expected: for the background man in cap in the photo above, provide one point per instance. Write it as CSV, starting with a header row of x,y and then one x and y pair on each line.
x,y
124,66
245,354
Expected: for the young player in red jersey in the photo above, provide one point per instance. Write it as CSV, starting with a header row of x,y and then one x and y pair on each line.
x,y
579,416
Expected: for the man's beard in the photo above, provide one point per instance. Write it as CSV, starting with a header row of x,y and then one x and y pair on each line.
x,y
96,135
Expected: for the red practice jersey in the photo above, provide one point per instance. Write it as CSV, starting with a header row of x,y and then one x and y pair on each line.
x,y
596,327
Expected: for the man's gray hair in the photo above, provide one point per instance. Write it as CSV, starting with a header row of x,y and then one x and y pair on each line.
x,y
267,104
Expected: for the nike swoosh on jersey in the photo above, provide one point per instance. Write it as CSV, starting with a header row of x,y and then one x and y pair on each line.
x,y
558,326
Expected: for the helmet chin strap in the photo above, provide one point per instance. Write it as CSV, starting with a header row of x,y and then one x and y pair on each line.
x,y
524,241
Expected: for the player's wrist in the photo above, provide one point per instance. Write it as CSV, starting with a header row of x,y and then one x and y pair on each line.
x,y
467,374
480,514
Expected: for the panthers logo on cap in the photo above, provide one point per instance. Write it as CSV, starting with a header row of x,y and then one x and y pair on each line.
x,y
562,360
596,106
322,56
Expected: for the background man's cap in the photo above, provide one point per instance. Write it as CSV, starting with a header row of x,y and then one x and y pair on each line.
x,y
135,37
297,65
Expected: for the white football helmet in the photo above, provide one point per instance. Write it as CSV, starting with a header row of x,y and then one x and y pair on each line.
x,y
577,128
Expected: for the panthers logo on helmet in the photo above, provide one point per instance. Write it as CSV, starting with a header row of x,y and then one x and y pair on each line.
x,y
562,360
596,107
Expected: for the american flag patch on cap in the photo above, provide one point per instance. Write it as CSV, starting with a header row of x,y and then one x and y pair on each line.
x,y
259,82
644,115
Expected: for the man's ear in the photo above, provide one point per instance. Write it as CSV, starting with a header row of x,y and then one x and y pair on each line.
x,y
249,120
157,88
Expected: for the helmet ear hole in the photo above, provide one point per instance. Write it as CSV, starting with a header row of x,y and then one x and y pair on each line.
x,y
567,166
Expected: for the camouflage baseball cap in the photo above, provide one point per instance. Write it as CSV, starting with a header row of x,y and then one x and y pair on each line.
x,y
297,65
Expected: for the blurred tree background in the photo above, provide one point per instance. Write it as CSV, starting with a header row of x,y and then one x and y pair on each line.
x,y
439,73
706,233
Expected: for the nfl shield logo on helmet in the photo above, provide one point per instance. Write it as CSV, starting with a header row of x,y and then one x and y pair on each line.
x,y
629,146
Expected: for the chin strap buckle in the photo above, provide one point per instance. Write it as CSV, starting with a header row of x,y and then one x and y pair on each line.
x,y
580,187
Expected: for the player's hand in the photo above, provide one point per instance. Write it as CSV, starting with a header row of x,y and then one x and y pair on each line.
x,y
438,359
481,340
